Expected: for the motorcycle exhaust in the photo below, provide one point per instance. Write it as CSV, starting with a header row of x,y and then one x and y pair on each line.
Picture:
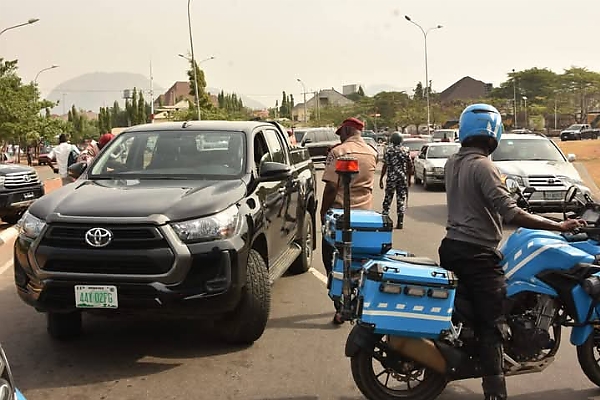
x,y
420,350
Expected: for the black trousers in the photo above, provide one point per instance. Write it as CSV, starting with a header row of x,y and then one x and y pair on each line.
x,y
481,281
327,252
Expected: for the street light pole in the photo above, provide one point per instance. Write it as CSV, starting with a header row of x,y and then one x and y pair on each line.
x,y
304,93
42,70
193,62
526,119
427,90
515,97
29,22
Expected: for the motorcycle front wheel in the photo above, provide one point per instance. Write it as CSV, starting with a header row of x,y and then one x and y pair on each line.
x,y
588,355
381,374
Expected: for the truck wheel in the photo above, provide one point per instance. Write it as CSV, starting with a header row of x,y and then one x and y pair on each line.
x,y
12,219
426,186
306,242
248,322
64,326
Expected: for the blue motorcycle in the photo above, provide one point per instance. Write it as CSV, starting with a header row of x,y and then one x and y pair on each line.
x,y
8,390
413,333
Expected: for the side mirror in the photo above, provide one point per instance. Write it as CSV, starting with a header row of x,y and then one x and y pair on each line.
x,y
570,195
512,185
274,171
571,157
307,140
76,169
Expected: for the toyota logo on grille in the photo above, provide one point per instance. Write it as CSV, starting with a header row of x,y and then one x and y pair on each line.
x,y
26,178
98,237
551,181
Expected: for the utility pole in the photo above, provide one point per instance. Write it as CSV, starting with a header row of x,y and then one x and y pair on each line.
x,y
151,94
515,98
304,93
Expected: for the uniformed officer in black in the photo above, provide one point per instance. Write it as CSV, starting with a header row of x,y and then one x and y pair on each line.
x,y
396,165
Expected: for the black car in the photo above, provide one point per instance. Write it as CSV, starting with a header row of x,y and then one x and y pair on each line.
x,y
20,186
317,141
196,220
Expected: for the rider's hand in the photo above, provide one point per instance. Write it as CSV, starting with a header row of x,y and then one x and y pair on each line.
x,y
570,225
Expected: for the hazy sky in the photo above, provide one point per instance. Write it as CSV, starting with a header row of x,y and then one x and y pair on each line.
x,y
263,46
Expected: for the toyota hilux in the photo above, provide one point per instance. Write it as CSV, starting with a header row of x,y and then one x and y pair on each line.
x,y
193,219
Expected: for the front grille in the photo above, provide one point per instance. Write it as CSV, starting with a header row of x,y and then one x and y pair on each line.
x,y
123,237
124,265
545,181
16,180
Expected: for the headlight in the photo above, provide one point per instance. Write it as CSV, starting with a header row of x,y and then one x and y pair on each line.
x,y
569,180
439,170
30,226
222,225
516,178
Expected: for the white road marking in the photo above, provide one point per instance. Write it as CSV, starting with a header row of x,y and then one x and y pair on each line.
x,y
318,275
8,234
7,265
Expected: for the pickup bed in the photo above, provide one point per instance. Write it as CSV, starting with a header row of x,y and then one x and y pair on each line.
x,y
197,219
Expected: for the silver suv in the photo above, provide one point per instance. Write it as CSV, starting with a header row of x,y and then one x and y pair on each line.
x,y
534,160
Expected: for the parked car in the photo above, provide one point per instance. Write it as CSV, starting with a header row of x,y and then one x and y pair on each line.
x,y
536,161
414,146
317,141
20,186
8,389
445,135
43,156
429,165
199,226
578,132
377,146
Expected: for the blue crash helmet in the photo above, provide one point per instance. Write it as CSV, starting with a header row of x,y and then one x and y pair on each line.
x,y
480,120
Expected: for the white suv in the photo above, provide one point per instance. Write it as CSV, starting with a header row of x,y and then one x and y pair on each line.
x,y
533,160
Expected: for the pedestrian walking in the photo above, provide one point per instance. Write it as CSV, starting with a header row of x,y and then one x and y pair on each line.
x,y
30,156
65,154
361,189
396,168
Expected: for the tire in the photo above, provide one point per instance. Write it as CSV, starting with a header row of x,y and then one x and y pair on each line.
x,y
306,241
248,322
64,326
364,376
587,359
12,219
426,186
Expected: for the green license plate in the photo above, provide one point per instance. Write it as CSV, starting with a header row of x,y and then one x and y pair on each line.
x,y
87,296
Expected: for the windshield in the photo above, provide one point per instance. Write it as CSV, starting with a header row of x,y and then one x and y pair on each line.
x,y
442,151
170,155
443,135
415,145
526,150
575,127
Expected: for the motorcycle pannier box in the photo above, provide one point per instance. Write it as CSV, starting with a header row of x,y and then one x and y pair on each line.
x,y
371,230
336,278
413,297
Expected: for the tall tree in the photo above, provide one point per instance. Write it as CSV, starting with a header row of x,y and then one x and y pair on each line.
x,y
203,96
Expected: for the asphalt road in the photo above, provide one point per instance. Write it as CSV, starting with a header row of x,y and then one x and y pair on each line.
x,y
300,356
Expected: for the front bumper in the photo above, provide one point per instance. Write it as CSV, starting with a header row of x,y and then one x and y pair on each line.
x,y
568,136
166,277
12,201
545,200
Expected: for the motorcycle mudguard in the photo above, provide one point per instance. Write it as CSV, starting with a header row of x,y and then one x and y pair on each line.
x,y
539,287
359,338
583,304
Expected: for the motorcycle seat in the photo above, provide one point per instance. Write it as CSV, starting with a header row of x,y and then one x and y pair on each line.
x,y
416,260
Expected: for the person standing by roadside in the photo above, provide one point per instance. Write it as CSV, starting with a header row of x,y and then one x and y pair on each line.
x,y
92,150
361,189
396,165
65,154
30,156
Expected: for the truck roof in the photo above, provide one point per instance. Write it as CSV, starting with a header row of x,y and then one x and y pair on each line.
x,y
241,126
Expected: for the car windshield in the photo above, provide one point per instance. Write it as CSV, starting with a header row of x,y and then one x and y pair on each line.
x,y
171,155
442,151
415,145
299,135
443,135
574,127
526,150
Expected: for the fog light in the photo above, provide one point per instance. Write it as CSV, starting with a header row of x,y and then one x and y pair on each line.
x,y
390,288
414,291
438,293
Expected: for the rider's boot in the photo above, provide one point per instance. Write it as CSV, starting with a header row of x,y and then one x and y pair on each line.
x,y
494,387
400,222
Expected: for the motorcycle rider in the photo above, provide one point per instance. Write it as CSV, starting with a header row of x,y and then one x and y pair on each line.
x,y
478,201
396,165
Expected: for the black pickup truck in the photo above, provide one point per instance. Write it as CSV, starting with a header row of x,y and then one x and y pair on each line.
x,y
191,219
20,186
